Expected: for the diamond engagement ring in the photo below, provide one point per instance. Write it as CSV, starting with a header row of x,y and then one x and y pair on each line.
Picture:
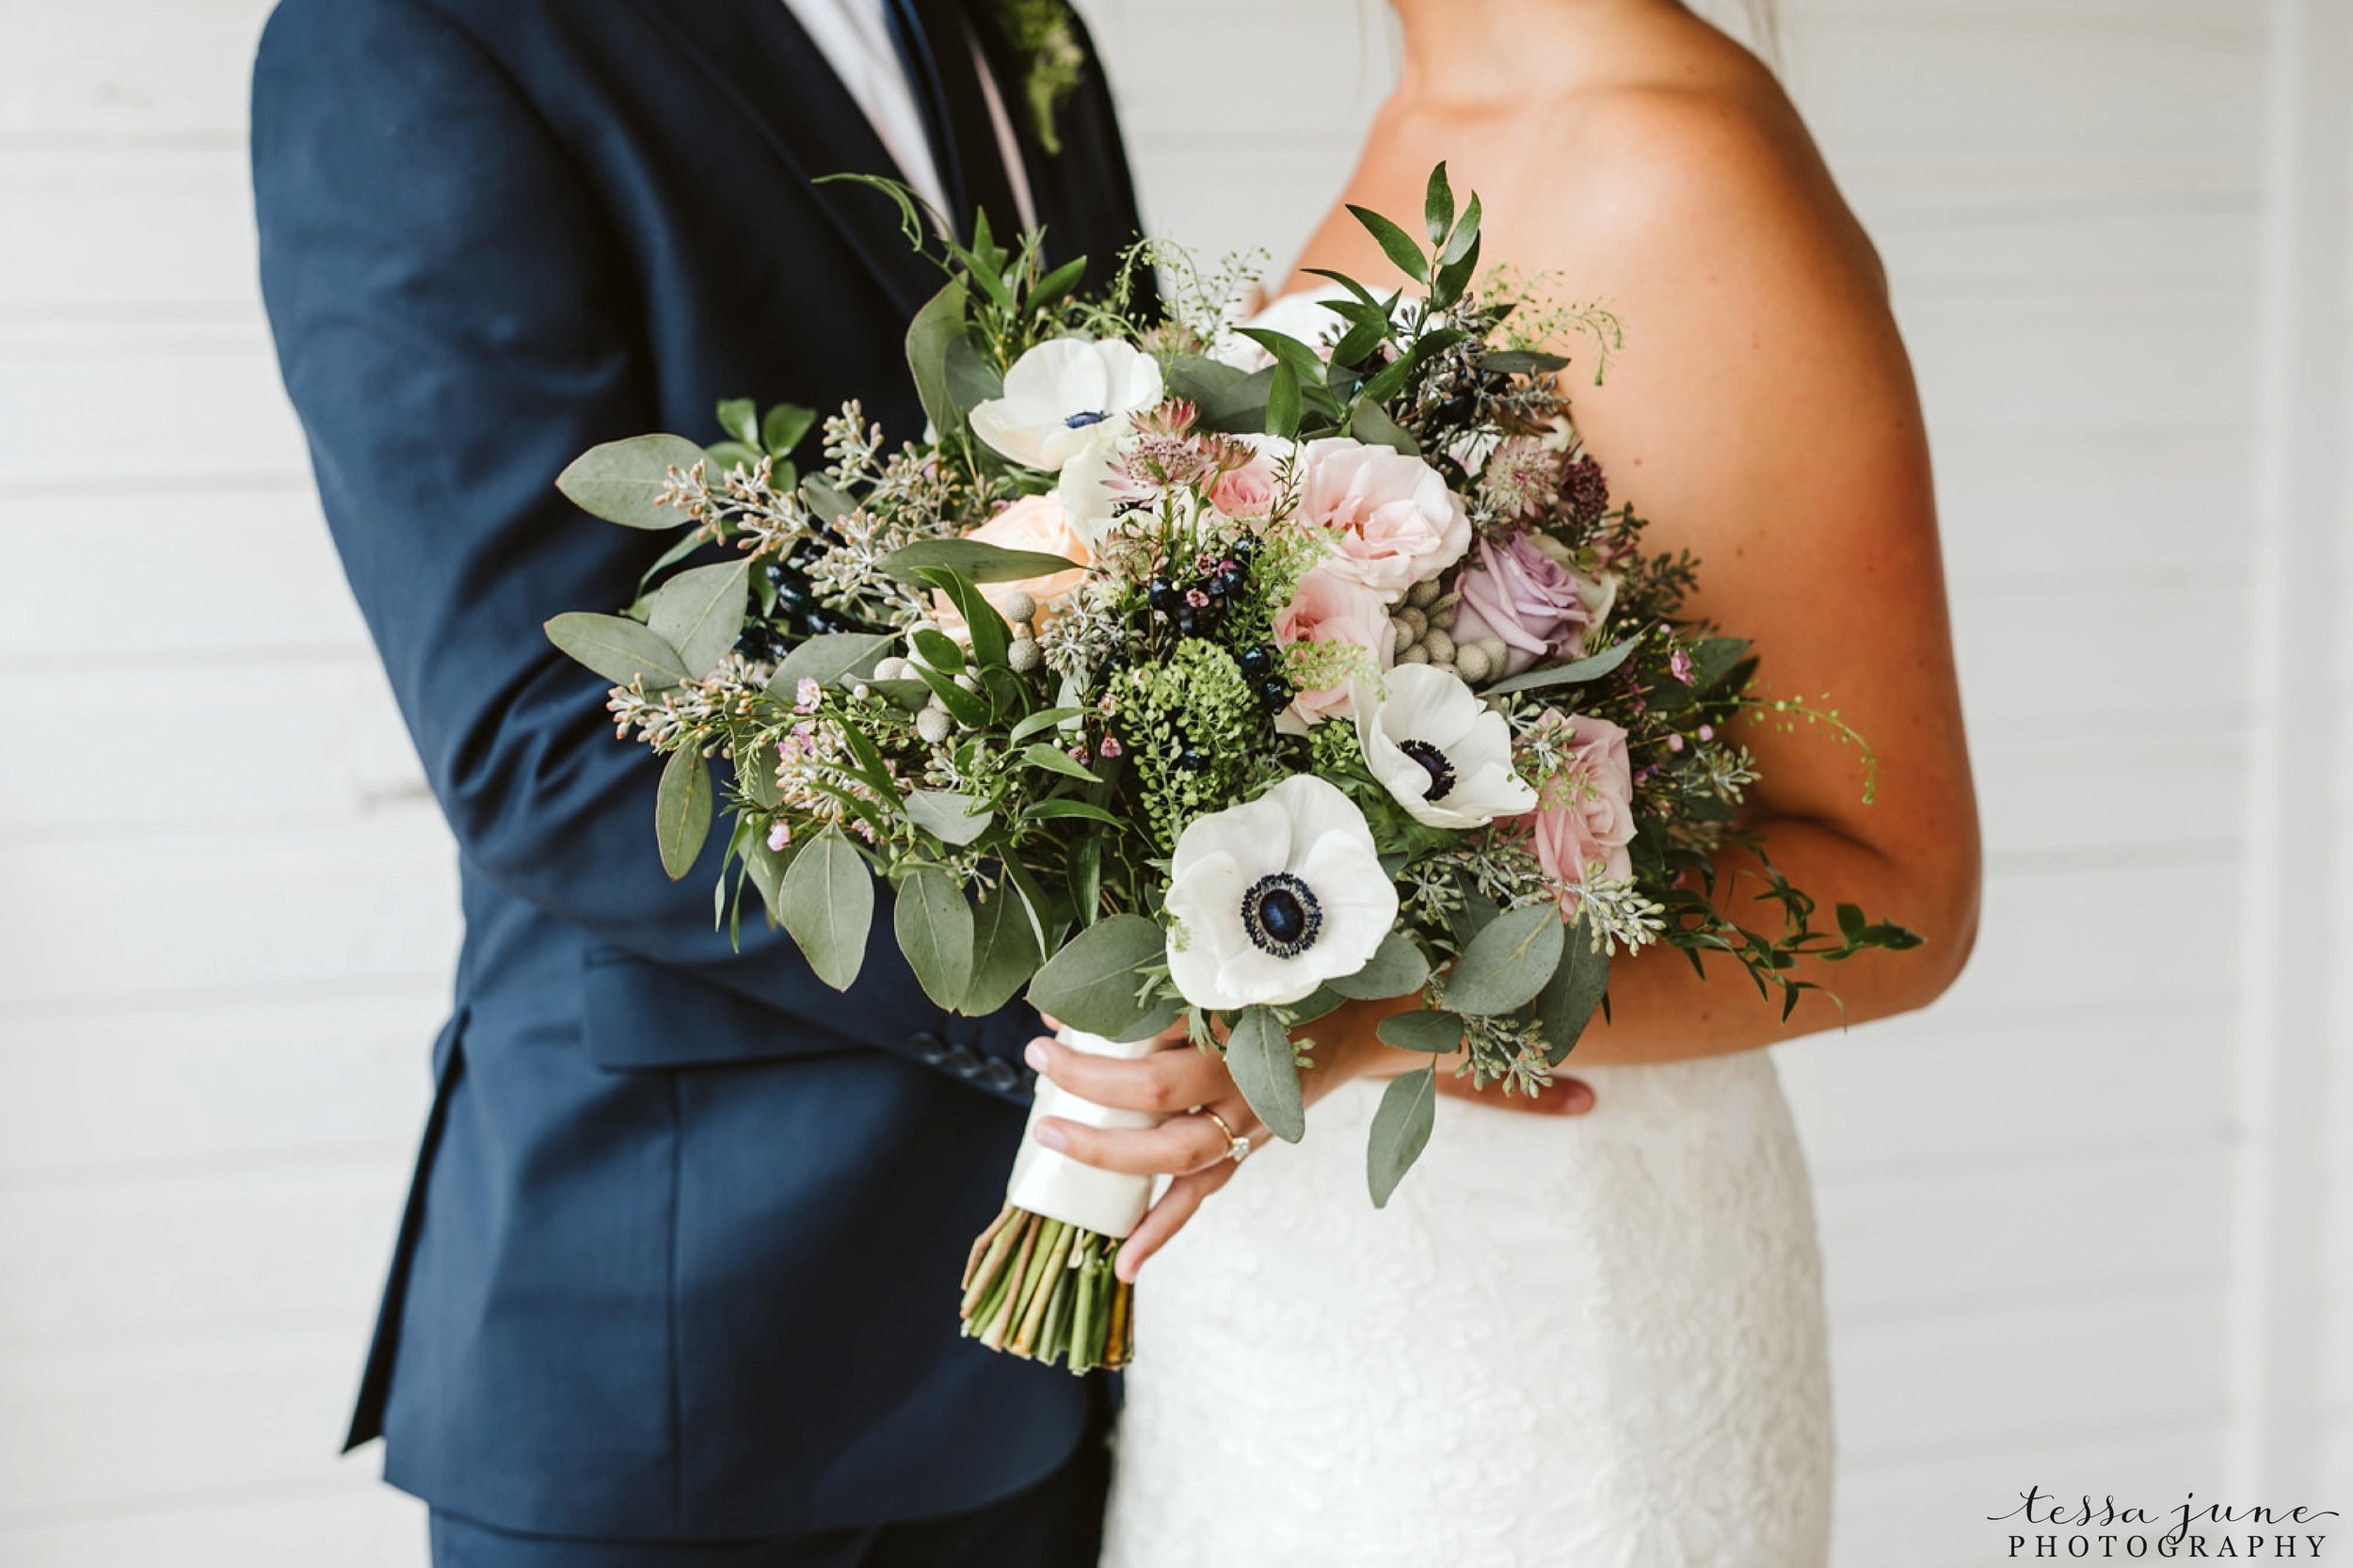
x,y
1236,1146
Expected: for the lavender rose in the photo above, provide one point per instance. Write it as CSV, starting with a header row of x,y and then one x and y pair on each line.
x,y
1519,593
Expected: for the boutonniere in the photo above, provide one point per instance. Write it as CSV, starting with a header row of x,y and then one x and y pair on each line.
x,y
1044,32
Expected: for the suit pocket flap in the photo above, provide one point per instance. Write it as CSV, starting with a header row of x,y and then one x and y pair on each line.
x,y
640,1015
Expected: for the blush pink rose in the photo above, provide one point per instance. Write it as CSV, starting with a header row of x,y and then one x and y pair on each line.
x,y
1516,591
1250,492
1033,523
1584,816
1392,518
1329,607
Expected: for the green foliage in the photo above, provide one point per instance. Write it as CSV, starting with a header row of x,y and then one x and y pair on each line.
x,y
934,925
1103,978
624,482
700,612
1258,1054
1401,1130
682,808
620,649
1193,725
826,903
1507,962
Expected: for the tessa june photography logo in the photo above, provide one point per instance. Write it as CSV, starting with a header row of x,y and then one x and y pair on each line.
x,y
2045,1527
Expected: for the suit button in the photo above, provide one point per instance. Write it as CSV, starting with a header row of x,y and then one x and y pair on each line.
x,y
1001,1074
961,1059
930,1047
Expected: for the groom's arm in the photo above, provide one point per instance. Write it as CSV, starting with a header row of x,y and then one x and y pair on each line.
x,y
457,320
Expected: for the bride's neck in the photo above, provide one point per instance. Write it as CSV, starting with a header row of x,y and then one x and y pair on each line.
x,y
1478,53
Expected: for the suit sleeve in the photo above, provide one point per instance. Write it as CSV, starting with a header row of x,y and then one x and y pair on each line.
x,y
457,319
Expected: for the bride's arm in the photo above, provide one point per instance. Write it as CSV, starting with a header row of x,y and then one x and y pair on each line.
x,y
1763,415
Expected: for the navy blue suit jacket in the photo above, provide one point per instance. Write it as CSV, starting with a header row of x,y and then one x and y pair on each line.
x,y
681,1256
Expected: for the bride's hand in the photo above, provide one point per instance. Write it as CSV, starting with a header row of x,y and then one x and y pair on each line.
x,y
1193,1089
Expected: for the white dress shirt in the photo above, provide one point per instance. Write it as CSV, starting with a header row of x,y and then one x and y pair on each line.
x,y
855,38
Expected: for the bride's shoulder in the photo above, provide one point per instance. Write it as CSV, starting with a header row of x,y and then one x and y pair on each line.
x,y
1677,164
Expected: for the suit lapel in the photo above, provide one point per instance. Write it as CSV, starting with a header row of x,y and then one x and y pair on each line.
x,y
759,60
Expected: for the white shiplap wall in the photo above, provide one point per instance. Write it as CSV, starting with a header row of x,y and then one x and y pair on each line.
x,y
225,938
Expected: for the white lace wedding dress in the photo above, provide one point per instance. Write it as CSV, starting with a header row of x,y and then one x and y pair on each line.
x,y
1579,1343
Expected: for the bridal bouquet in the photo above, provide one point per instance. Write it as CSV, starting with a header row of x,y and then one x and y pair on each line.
x,y
1187,672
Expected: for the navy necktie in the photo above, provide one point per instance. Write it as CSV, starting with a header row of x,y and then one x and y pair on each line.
x,y
935,48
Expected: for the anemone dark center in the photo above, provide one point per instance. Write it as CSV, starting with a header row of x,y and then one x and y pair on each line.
x,y
1281,916
1432,762
1085,417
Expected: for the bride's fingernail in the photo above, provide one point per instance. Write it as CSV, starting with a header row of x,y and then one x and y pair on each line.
x,y
1053,1136
1035,1056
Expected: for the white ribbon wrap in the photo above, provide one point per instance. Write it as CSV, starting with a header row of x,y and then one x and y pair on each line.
x,y
1057,1186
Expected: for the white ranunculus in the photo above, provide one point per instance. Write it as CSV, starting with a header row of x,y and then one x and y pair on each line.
x,y
1274,898
1444,754
1064,397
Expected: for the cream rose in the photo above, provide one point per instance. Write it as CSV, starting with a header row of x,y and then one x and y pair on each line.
x,y
1393,522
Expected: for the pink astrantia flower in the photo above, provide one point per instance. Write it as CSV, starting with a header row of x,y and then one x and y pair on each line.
x,y
1331,607
1392,519
1584,816
1514,591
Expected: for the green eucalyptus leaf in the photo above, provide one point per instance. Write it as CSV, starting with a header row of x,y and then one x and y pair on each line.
x,y
949,818
1094,982
726,457
1593,668
759,781
970,559
828,659
1401,1130
739,417
618,649
970,380
827,905
1423,1030
1394,243
700,613
830,504
939,323
1397,969
1258,1054
1004,952
682,810
784,428
622,481
1509,961
935,929
1566,1004
1314,1005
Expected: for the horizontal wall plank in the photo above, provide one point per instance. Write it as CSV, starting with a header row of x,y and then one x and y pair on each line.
x,y
287,1080
1916,1391
258,910
2030,1233
171,1423
347,1519
131,211
156,71
217,410
187,1254
1930,1094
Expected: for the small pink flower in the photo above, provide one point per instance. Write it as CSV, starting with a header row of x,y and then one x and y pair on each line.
x,y
807,695
1707,732
1680,664
1674,743
779,835
1110,747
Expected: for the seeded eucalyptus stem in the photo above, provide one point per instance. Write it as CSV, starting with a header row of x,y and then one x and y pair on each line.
x,y
1043,1290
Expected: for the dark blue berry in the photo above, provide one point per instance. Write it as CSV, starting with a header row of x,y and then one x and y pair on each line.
x,y
1163,595
1257,661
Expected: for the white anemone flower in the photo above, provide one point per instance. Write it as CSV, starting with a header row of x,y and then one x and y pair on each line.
x,y
1066,395
1274,898
1444,754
